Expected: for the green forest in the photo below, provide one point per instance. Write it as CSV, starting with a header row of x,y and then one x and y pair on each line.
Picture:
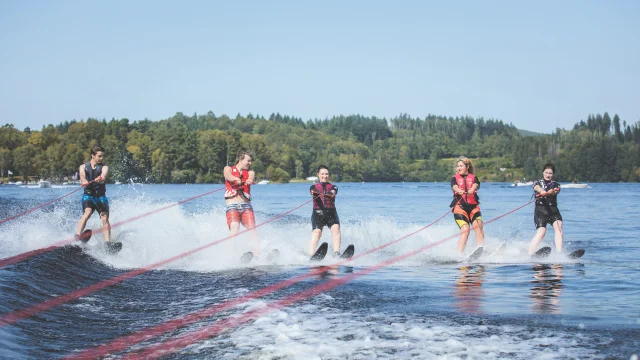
x,y
356,148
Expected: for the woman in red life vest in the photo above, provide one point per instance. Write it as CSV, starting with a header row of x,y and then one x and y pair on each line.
x,y
546,211
238,181
465,204
324,211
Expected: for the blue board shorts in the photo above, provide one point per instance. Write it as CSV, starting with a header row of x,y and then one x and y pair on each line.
x,y
100,204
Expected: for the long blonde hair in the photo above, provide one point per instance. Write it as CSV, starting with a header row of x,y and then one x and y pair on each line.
x,y
466,162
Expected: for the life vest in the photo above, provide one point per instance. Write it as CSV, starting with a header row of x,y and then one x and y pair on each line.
x,y
233,189
546,186
465,183
321,201
94,189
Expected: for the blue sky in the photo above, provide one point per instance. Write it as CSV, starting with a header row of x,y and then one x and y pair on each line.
x,y
538,65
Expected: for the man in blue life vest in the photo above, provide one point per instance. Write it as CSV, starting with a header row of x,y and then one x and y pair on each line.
x,y
93,175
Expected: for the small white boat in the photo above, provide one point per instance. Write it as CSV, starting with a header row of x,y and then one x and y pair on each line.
x,y
44,184
118,183
522,183
19,183
263,182
574,186
313,178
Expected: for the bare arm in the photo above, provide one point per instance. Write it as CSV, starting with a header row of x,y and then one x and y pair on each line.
x,y
252,178
538,189
83,179
230,178
103,175
457,190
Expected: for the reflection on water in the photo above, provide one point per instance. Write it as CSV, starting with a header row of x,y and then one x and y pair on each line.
x,y
468,291
327,271
546,288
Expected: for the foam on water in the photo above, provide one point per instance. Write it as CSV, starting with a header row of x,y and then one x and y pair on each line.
x,y
319,331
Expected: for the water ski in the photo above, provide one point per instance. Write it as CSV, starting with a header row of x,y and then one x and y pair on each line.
x,y
542,252
576,254
246,257
320,253
113,246
499,250
474,255
348,252
85,236
273,256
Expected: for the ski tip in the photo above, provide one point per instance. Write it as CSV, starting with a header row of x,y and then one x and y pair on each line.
x,y
500,250
85,236
348,252
475,254
320,253
542,252
246,257
576,254
273,255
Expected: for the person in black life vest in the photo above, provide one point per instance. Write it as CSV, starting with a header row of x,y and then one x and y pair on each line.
x,y
466,204
93,176
238,180
546,211
324,211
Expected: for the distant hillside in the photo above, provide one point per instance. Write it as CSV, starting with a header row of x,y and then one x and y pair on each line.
x,y
529,133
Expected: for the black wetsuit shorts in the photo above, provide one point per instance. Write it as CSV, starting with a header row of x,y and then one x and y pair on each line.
x,y
546,214
324,217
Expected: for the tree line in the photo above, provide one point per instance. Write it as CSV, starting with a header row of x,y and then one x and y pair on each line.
x,y
195,149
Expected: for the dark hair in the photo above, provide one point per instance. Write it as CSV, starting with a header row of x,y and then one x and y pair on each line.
x,y
549,166
241,155
322,167
96,148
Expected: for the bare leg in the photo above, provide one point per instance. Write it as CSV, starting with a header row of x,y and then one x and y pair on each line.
x,y
107,227
335,234
315,237
249,223
557,226
462,240
83,220
255,242
234,228
479,231
537,239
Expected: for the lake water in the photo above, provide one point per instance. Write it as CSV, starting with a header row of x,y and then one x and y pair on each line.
x,y
507,306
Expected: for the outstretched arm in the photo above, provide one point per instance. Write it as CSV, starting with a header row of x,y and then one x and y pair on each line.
x,y
83,179
539,190
252,178
103,175
230,178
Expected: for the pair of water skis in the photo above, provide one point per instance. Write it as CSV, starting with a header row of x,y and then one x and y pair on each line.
x,y
540,254
112,247
317,256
